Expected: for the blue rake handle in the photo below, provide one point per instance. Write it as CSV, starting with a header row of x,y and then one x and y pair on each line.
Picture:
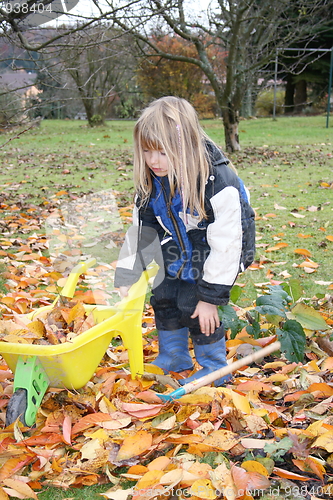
x,y
221,372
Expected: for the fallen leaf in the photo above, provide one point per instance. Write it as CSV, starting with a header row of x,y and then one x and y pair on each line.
x,y
134,445
21,488
222,439
303,251
203,488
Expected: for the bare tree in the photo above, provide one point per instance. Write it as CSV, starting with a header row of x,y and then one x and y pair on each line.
x,y
247,31
100,64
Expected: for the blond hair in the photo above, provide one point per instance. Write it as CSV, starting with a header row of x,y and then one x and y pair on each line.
x,y
171,124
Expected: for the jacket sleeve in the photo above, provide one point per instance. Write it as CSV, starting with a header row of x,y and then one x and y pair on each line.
x,y
140,248
224,237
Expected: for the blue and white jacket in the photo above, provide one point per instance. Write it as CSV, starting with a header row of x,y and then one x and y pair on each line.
x,y
210,252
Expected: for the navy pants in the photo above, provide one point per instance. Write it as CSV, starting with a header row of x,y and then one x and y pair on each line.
x,y
174,302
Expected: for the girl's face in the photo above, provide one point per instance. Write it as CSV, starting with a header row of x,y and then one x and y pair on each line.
x,y
157,161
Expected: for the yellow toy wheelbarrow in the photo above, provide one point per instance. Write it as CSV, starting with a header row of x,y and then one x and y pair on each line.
x,y
71,364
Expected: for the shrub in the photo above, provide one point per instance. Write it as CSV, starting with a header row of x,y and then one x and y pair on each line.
x,y
265,103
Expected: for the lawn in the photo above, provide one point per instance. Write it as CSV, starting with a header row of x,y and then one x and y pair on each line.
x,y
286,163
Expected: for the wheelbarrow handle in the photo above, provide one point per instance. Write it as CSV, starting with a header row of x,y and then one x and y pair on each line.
x,y
73,278
221,372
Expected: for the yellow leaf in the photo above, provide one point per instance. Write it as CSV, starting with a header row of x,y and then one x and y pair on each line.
x,y
222,439
3,494
196,399
254,466
241,402
329,237
151,478
203,488
37,327
134,445
277,377
274,364
324,441
101,435
90,449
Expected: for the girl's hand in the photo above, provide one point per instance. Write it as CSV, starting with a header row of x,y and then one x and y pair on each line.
x,y
208,317
123,290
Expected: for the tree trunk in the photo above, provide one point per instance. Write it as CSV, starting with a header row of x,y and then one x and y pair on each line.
x,y
230,123
289,95
300,96
247,109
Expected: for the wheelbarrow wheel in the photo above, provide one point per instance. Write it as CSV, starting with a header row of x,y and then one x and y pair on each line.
x,y
17,407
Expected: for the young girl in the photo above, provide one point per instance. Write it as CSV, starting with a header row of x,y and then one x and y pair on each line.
x,y
193,217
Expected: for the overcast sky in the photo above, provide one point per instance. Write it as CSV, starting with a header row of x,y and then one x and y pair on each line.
x,y
87,8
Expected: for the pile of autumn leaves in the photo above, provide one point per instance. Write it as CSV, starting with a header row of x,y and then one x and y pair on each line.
x,y
62,323
269,430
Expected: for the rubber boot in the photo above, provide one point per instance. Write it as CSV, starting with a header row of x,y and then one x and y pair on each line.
x,y
211,357
173,354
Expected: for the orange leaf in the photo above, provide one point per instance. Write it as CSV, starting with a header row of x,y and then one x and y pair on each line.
x,y
21,487
300,235
138,470
14,465
278,246
324,389
134,445
329,237
160,463
310,464
303,251
327,363
88,480
289,475
254,385
89,420
294,396
42,439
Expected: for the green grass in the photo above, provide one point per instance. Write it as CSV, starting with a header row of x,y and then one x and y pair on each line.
x,y
87,492
283,162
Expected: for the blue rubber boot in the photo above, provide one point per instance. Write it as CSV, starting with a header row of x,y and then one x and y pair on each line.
x,y
211,357
173,354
